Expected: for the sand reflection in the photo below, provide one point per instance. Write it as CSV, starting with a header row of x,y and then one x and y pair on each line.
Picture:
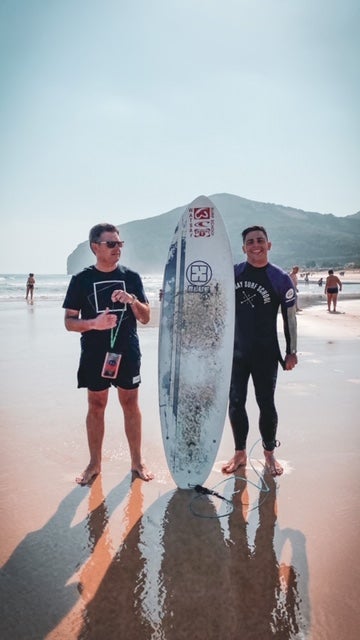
x,y
115,605
175,575
158,574
228,588
162,574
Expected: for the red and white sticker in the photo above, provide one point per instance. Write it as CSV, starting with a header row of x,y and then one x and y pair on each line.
x,y
201,222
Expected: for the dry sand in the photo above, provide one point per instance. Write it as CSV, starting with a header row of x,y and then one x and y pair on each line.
x,y
129,559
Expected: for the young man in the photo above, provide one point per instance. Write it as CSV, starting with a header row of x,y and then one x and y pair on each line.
x,y
103,303
260,289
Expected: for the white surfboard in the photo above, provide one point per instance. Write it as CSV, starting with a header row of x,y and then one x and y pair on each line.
x,y
196,338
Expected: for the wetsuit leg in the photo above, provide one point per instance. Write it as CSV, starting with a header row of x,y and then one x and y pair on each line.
x,y
264,375
238,392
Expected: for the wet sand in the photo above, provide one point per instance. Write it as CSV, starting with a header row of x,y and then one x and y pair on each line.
x,y
126,559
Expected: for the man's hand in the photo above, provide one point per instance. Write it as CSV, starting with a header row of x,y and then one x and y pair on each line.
x,y
119,295
290,361
105,320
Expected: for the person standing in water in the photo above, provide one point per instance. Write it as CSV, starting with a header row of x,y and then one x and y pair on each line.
x,y
332,287
30,284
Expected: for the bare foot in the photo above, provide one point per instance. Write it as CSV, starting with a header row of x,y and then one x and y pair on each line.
x,y
142,472
272,466
87,476
239,460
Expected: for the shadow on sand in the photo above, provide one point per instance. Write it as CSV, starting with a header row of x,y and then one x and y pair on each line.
x,y
169,575
36,591
176,576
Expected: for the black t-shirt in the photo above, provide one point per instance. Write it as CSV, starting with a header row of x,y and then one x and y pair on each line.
x,y
90,293
259,292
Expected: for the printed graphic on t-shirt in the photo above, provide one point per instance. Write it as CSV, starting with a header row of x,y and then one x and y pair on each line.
x,y
101,299
252,292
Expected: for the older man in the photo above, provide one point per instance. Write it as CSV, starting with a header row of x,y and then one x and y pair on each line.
x,y
103,303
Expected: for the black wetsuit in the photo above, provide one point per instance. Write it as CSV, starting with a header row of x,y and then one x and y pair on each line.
x,y
90,293
259,292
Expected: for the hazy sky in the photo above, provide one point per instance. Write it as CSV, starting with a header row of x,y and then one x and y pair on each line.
x,y
123,109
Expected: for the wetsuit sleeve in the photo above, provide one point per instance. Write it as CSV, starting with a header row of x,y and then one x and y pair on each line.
x,y
285,290
288,310
290,328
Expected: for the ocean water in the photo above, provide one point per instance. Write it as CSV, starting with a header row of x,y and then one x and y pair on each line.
x,y
53,287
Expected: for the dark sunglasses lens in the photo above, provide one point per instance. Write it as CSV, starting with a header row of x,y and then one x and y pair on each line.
x,y
114,243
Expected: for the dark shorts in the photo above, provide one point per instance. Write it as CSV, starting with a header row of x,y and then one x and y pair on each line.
x,y
332,290
90,367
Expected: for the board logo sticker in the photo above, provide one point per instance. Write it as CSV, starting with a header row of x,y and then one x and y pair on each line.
x,y
201,222
198,274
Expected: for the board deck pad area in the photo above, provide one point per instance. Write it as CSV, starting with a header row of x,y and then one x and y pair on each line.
x,y
196,336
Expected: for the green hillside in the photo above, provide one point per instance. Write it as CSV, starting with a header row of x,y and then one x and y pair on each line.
x,y
299,237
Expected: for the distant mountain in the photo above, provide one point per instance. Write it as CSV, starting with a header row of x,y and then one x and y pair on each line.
x,y
298,237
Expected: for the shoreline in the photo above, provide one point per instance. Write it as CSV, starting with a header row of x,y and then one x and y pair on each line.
x,y
305,301
312,300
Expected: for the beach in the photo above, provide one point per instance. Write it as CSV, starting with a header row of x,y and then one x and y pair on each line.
x,y
135,560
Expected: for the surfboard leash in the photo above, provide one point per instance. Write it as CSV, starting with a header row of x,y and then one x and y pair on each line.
x,y
210,492
205,491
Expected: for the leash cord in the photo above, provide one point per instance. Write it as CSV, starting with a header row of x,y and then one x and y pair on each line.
x,y
201,491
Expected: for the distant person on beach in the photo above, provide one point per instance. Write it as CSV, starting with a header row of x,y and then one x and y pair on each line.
x,y
103,302
30,284
294,279
260,289
332,287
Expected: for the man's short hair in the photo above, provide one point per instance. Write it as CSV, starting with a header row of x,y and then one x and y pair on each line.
x,y
96,231
254,228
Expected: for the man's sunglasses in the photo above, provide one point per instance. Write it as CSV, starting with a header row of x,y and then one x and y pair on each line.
x,y
111,244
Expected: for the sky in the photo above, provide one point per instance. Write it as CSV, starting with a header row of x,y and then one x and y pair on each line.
x,y
116,110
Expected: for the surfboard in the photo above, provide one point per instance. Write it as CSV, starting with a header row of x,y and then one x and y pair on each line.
x,y
196,337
